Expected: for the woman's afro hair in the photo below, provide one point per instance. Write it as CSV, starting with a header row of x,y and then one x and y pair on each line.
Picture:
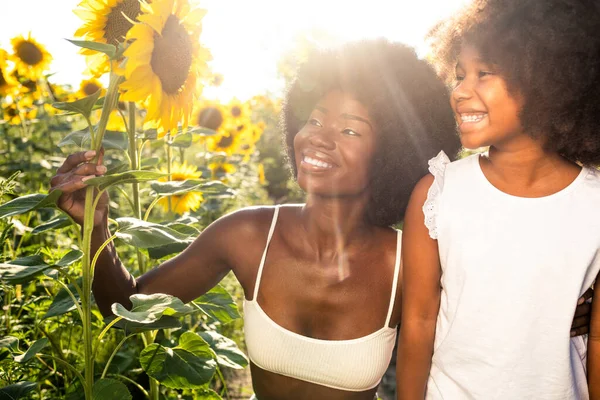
x,y
406,101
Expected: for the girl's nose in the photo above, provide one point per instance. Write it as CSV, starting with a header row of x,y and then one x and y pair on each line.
x,y
322,139
462,91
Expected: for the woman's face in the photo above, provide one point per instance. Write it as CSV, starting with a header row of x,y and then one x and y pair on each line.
x,y
334,148
486,113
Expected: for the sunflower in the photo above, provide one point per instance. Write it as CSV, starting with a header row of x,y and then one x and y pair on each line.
x,y
165,61
31,58
186,201
227,143
88,87
239,112
220,169
15,112
105,21
211,115
7,80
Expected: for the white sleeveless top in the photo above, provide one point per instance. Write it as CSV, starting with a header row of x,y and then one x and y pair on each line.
x,y
513,269
353,365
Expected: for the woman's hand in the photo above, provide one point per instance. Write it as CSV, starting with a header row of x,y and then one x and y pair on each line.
x,y
70,179
583,314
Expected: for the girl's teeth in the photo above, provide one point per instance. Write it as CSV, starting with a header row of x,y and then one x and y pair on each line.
x,y
472,118
317,163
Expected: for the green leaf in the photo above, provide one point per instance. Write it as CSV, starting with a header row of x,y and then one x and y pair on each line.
x,y
17,390
219,305
206,394
163,251
62,302
151,162
182,141
112,140
227,352
148,308
70,258
103,182
189,185
9,342
30,202
55,223
202,131
165,322
108,49
22,270
146,235
110,389
80,106
187,366
32,350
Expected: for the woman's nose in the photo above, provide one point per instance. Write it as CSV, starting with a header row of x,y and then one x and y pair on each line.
x,y
322,139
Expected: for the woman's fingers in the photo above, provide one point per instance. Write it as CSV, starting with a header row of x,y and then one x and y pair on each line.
x,y
586,296
583,309
75,184
89,169
75,159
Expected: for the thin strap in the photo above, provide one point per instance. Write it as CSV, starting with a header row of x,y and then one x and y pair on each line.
x,y
264,256
395,282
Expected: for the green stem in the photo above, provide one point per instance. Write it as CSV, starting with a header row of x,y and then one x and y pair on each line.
x,y
86,304
134,383
67,365
151,206
169,158
114,353
101,335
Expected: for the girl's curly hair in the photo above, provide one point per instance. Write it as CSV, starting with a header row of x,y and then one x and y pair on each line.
x,y
405,99
548,51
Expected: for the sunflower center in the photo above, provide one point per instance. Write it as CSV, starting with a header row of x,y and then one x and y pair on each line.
x,y
211,118
90,88
11,112
30,85
2,79
172,56
225,141
236,111
29,53
117,25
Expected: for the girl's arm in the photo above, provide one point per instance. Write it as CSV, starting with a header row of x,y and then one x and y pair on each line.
x,y
420,298
593,354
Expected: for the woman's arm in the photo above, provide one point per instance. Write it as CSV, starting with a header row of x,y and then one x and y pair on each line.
x,y
193,272
593,354
420,299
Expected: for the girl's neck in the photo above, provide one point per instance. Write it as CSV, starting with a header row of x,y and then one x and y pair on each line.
x,y
332,223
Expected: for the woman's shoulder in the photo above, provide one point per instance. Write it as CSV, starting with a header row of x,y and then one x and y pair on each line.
x,y
251,221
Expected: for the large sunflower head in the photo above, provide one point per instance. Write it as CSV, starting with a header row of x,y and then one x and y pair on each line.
x,y
7,80
239,112
31,58
185,202
224,143
87,87
105,21
165,61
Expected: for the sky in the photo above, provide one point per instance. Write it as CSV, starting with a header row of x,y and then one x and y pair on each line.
x,y
246,38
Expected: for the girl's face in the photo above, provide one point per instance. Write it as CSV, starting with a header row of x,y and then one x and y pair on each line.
x,y
334,148
486,113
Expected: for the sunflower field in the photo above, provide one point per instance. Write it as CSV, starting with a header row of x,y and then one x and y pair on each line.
x,y
175,161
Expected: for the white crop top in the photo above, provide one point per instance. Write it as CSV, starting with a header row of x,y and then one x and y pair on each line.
x,y
354,365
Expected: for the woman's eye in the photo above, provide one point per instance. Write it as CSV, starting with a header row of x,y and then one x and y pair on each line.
x,y
351,132
314,122
485,73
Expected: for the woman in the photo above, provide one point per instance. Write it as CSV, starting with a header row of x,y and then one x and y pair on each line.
x,y
320,279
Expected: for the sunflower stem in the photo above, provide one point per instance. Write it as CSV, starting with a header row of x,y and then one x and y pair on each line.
x,y
133,159
110,102
86,306
169,158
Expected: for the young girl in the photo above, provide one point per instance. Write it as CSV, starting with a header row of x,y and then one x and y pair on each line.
x,y
511,236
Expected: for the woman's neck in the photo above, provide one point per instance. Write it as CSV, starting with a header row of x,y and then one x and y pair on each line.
x,y
332,223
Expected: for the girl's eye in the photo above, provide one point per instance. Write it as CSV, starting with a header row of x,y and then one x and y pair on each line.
x,y
459,78
350,132
483,74
314,122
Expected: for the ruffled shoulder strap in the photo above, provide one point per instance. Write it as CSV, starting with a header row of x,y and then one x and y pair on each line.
x,y
437,167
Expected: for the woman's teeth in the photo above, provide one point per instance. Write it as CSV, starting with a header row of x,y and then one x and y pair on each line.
x,y
472,117
316,163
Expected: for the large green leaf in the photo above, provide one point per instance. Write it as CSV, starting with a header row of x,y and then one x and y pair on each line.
x,y
111,140
17,390
9,342
182,141
206,394
30,202
32,350
219,305
55,223
187,366
62,302
202,131
102,182
23,269
189,185
80,106
108,49
148,308
110,389
163,251
165,322
146,235
227,352
70,258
